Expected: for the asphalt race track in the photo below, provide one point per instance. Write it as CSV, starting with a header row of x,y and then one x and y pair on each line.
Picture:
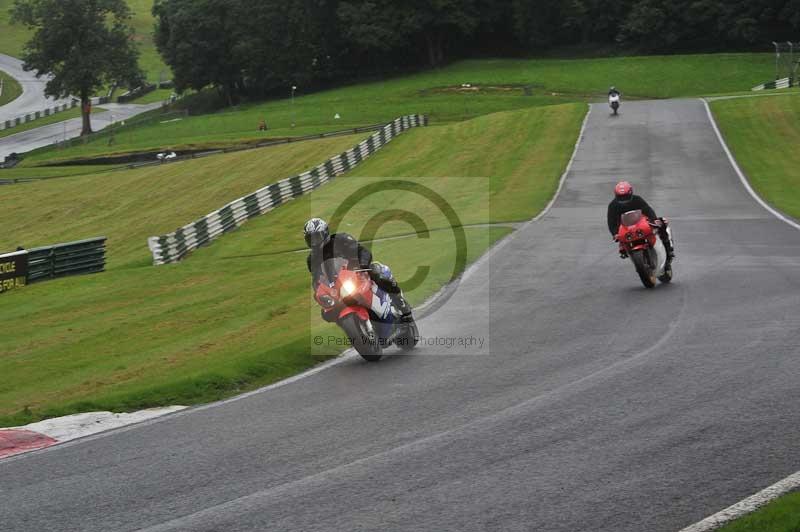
x,y
32,98
39,137
597,405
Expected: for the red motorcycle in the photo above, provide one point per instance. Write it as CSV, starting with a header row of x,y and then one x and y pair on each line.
x,y
364,311
638,240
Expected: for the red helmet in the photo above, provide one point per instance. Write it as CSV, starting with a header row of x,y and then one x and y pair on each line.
x,y
623,191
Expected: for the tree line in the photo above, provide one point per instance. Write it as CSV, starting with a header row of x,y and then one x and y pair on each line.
x,y
246,47
252,49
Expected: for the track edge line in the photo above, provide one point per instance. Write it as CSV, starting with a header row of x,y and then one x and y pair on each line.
x,y
746,506
740,173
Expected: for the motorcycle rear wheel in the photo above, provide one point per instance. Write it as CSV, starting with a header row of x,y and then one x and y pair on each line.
x,y
646,272
367,345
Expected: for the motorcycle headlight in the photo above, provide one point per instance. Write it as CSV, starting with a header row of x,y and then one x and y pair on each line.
x,y
327,301
629,236
347,288
639,233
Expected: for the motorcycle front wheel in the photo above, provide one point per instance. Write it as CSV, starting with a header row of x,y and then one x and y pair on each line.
x,y
410,337
646,272
364,341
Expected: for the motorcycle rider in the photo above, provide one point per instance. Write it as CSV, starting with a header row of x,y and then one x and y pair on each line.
x,y
625,200
613,92
324,246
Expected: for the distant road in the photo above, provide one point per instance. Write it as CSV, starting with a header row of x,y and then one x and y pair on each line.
x,y
47,135
32,98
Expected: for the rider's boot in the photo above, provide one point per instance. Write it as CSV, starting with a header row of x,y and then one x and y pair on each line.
x,y
667,240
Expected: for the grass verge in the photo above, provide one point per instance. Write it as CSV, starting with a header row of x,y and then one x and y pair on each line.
x,y
496,85
11,89
763,134
237,314
113,203
781,515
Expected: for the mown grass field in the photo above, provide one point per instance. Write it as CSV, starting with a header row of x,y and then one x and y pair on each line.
x,y
781,515
763,134
81,207
497,85
11,89
237,314
14,36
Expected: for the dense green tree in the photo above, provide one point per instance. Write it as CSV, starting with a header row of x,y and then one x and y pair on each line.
x,y
706,25
282,44
197,39
432,25
257,48
83,44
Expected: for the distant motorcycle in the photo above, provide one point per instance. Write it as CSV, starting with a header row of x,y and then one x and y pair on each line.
x,y
614,103
639,241
365,312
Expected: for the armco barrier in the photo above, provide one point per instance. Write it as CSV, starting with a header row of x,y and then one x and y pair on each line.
x,y
174,246
784,83
30,117
61,260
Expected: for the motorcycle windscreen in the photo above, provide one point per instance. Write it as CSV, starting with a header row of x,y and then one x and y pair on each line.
x,y
332,267
631,218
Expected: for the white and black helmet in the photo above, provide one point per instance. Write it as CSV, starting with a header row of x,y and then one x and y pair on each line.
x,y
316,232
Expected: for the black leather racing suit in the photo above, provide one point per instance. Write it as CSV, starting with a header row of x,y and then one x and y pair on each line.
x,y
617,208
339,245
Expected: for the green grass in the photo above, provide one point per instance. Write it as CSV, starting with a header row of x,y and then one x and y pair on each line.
x,y
237,314
150,60
435,93
107,203
11,89
763,134
781,515
14,36
51,172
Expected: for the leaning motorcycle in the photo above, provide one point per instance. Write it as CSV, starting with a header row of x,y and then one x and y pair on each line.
x,y
638,240
363,311
614,103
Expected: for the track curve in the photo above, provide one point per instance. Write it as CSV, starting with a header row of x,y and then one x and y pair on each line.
x,y
596,404
32,98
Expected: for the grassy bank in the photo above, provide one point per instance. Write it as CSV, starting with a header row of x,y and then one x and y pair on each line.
x,y
781,515
237,314
113,203
763,134
11,89
14,36
496,85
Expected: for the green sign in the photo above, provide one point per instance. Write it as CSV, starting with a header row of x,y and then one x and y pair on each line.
x,y
13,271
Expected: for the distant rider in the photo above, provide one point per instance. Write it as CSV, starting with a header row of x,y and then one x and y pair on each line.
x,y
625,200
324,246
613,92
